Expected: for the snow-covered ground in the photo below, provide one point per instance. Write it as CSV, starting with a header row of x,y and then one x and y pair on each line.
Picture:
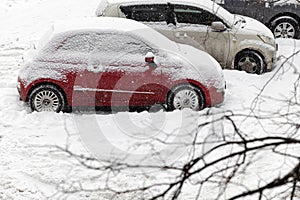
x,y
31,168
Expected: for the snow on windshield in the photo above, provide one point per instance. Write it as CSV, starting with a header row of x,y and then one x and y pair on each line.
x,y
222,13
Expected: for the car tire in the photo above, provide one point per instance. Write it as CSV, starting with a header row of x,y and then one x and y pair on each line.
x,y
249,61
185,96
285,27
47,98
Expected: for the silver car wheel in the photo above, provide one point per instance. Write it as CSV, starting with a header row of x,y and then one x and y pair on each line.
x,y
248,64
186,99
185,96
47,97
46,100
249,61
284,30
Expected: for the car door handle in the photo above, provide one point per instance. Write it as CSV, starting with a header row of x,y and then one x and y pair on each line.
x,y
180,35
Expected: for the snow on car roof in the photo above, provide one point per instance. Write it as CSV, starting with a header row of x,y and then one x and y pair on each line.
x,y
109,24
98,23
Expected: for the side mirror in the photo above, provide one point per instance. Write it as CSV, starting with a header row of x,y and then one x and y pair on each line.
x,y
218,26
149,58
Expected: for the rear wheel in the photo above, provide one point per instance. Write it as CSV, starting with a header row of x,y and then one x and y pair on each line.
x,y
285,27
185,96
249,61
47,98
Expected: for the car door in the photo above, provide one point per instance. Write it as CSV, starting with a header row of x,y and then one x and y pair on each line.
x,y
119,71
73,54
194,28
251,8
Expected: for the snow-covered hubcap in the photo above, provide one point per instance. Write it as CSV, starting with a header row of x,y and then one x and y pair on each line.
x,y
46,100
186,99
284,30
248,64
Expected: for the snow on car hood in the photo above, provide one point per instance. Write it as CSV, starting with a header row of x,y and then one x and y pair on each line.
x,y
34,70
250,25
197,65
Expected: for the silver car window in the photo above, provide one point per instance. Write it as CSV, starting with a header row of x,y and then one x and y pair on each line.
x,y
145,13
194,15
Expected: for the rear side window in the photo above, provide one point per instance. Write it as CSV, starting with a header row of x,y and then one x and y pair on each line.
x,y
121,44
104,43
145,13
77,43
194,15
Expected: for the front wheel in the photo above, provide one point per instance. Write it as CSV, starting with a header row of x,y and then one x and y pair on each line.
x,y
46,98
285,27
249,61
185,96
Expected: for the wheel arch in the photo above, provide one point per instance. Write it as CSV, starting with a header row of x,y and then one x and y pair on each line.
x,y
279,16
38,84
251,49
204,91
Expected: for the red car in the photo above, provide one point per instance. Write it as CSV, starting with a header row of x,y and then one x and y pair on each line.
x,y
117,62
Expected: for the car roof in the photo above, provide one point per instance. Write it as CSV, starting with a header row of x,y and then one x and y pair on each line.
x,y
107,24
97,23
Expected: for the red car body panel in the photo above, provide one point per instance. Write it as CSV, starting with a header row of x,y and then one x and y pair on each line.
x,y
119,88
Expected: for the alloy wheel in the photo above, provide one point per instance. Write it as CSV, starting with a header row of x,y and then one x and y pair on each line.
x,y
186,99
46,100
284,30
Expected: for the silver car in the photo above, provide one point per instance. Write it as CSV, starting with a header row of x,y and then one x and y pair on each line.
x,y
235,41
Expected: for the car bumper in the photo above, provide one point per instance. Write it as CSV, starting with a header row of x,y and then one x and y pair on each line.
x,y
21,89
216,96
270,58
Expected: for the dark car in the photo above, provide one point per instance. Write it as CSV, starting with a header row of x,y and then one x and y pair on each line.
x,y
281,16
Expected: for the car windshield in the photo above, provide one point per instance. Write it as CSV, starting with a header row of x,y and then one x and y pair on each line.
x,y
45,38
155,39
226,16
214,8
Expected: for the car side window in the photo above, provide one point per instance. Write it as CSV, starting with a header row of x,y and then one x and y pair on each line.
x,y
194,15
76,43
121,44
104,43
145,13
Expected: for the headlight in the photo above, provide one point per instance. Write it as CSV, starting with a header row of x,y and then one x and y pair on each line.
x,y
267,39
18,85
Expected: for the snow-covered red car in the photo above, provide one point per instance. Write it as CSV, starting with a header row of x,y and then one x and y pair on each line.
x,y
101,62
